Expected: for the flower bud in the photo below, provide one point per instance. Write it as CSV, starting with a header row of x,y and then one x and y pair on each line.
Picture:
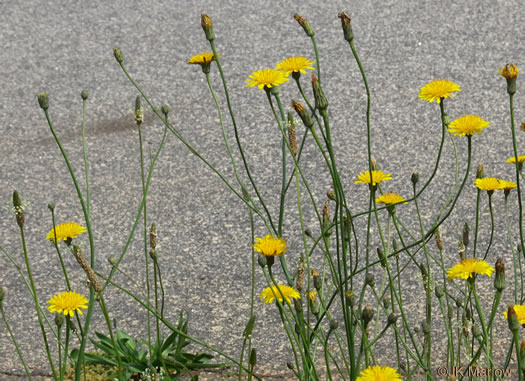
x,y
381,256
331,195
392,318
165,110
59,320
480,172
367,315
299,281
499,280
476,331
439,291
465,234
292,137
510,73
153,254
386,302
425,327
305,24
19,210
439,242
347,26
512,319
249,327
414,178
84,94
350,298
139,111
51,206
303,114
333,325
318,282
207,26
112,261
43,101
369,280
153,236
118,55
262,260
253,358
320,100
308,232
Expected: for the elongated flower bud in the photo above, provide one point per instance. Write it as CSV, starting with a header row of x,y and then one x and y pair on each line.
x,y
512,319
118,55
153,236
84,94
292,137
93,281
465,234
207,26
299,283
303,114
367,315
305,24
439,242
253,358
347,26
320,100
43,101
480,172
19,209
139,111
499,281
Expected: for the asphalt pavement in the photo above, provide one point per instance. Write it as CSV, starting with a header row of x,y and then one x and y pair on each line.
x,y
64,47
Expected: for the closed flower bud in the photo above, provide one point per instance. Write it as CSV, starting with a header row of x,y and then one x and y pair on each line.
x,y
446,120
318,282
303,114
59,320
347,26
308,232
333,325
262,260
414,178
305,24
439,242
320,100
19,209
476,331
289,365
299,281
118,55
439,291
392,318
465,234
139,111
298,306
292,137
350,298
480,173
112,261
84,94
425,327
153,254
253,358
207,26
43,101
381,256
51,206
499,280
367,315
512,319
249,327
153,236
369,280
386,302
331,195
396,248
165,110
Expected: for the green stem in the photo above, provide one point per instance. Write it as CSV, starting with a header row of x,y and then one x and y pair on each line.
x,y
14,342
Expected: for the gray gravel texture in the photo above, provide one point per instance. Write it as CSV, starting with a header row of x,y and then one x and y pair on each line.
x,y
204,230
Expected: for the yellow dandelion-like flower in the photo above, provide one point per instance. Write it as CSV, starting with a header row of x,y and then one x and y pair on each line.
x,y
67,302
288,292
467,125
65,231
266,78
390,199
508,185
438,90
377,177
520,313
379,373
512,159
468,267
489,183
270,246
312,295
509,71
202,58
295,65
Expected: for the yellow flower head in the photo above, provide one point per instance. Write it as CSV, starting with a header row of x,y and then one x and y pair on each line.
x,y
379,373
312,295
512,159
508,185
438,90
65,231
270,246
266,78
67,302
509,71
489,183
390,199
467,125
468,267
295,65
270,293
520,313
377,177
202,59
